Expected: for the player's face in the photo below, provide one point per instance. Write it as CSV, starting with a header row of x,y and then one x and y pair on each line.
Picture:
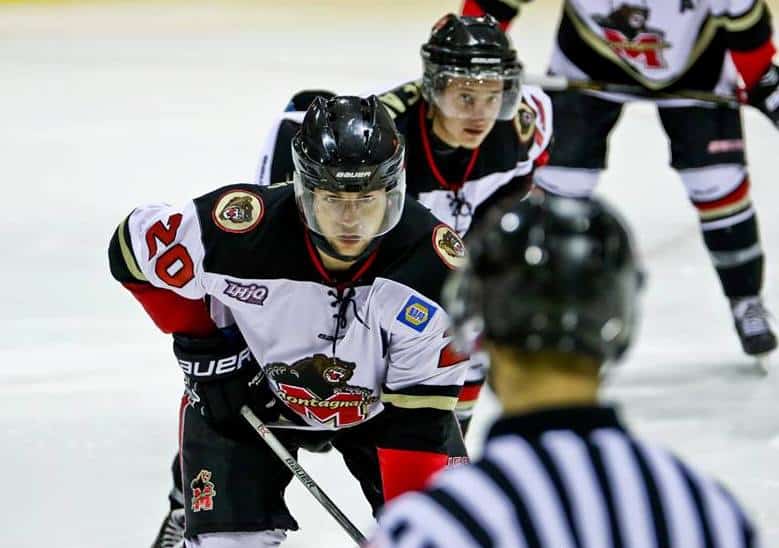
x,y
468,110
349,220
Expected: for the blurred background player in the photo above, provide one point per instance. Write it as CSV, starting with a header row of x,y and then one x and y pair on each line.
x,y
503,10
665,46
473,133
368,370
552,287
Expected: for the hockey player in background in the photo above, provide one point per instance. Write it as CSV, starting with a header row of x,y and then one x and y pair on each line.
x,y
333,330
473,133
721,46
552,286
503,10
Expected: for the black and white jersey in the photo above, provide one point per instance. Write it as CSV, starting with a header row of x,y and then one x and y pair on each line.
x,y
458,185
658,44
567,478
335,350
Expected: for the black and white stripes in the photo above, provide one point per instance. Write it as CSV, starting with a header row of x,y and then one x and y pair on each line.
x,y
568,480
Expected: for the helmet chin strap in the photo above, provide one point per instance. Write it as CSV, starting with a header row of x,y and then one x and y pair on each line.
x,y
321,243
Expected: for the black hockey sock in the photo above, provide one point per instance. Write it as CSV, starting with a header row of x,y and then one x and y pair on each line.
x,y
176,495
738,257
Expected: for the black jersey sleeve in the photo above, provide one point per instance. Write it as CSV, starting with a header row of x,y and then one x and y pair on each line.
x,y
275,163
748,28
502,10
400,102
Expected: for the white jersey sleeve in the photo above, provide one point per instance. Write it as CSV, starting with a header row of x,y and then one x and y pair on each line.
x,y
166,247
423,370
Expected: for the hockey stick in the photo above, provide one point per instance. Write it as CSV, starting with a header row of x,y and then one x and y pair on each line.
x,y
561,83
281,452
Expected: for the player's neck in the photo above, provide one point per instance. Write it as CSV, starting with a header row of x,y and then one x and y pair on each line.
x,y
332,264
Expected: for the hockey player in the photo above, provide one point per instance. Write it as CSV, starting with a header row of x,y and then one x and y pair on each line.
x,y
665,46
473,134
552,287
332,282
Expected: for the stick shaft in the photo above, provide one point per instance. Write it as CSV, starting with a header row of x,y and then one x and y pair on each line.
x,y
560,83
291,463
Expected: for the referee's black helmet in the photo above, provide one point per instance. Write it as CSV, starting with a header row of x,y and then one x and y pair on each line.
x,y
549,273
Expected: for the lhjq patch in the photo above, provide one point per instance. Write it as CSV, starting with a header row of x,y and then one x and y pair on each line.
x,y
238,211
416,313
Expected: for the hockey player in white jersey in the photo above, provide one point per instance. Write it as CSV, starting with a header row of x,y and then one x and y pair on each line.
x,y
719,46
473,134
333,282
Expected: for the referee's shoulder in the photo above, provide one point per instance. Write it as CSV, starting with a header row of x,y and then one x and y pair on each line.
x,y
718,509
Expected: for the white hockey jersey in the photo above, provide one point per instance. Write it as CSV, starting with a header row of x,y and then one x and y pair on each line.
x,y
659,44
334,350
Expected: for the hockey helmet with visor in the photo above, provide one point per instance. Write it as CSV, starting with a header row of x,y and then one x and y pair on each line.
x,y
349,175
471,69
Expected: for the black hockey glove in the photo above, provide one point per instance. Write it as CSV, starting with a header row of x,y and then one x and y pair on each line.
x,y
765,95
221,376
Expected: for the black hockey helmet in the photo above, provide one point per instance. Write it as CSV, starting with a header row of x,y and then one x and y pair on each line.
x,y
474,49
347,148
549,273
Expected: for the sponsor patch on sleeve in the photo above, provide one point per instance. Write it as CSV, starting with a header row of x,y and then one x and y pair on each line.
x,y
416,313
238,211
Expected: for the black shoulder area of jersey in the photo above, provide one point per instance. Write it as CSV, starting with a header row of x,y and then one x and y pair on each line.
x,y
420,252
403,103
503,148
252,231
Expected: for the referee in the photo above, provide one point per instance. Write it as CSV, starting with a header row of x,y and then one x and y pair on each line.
x,y
552,286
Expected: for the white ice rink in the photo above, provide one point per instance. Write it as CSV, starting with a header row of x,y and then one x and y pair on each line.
x,y
103,107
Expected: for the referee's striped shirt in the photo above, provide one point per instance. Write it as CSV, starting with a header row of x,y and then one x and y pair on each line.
x,y
567,478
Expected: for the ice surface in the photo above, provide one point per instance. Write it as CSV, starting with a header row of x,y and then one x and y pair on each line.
x,y
104,107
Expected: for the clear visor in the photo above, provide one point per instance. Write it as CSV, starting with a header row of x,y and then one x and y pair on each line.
x,y
483,95
350,218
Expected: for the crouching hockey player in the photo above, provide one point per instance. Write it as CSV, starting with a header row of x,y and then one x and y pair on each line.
x,y
473,134
333,283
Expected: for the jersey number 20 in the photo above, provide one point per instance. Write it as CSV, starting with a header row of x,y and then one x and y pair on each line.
x,y
175,256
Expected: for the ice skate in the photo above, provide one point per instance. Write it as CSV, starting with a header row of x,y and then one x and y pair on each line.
x,y
753,328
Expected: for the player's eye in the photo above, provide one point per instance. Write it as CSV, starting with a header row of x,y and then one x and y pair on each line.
x,y
466,99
